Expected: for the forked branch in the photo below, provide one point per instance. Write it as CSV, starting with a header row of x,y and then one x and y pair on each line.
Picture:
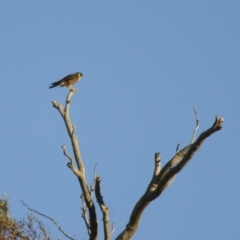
x,y
91,223
162,178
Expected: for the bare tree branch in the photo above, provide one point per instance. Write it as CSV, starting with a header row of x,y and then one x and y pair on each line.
x,y
161,179
164,178
80,172
65,114
104,210
51,219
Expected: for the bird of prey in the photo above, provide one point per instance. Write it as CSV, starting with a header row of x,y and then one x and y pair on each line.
x,y
68,81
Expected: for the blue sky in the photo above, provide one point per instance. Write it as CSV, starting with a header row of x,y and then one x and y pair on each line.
x,y
145,65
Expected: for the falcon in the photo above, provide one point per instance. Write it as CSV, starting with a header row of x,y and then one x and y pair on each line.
x,y
68,81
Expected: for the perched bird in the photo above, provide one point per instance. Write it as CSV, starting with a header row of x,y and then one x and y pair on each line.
x,y
68,81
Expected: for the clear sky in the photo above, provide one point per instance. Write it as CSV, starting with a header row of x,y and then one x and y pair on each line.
x,y
146,65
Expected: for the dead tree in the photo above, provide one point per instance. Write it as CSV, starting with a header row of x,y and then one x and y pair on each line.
x,y
161,179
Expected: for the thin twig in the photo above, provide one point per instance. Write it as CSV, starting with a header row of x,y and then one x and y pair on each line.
x,y
197,126
92,187
113,229
51,219
84,215
177,148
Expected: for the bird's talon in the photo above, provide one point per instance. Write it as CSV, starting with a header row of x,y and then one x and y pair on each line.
x,y
73,90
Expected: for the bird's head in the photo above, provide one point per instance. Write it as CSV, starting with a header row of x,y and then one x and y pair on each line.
x,y
80,75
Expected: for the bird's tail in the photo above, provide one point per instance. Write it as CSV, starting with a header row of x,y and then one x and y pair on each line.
x,y
55,84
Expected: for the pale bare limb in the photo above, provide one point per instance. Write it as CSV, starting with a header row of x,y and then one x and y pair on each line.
x,y
164,179
104,210
70,129
79,171
51,219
